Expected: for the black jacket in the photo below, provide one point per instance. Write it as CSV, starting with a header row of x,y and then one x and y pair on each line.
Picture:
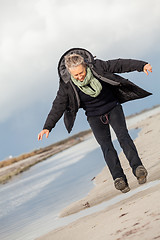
x,y
67,100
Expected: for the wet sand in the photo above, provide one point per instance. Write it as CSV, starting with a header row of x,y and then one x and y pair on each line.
x,y
137,216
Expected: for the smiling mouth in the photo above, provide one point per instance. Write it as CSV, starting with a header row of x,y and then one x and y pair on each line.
x,y
82,79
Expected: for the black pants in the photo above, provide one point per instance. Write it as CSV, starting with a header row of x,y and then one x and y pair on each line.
x,y
102,134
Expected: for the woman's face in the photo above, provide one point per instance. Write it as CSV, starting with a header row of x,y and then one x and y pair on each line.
x,y
78,72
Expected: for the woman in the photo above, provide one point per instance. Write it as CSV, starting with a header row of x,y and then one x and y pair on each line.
x,y
93,85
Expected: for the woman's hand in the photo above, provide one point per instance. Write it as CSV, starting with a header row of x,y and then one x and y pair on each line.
x,y
146,68
44,131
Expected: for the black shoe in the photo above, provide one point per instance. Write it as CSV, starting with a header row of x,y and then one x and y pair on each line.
x,y
121,185
141,174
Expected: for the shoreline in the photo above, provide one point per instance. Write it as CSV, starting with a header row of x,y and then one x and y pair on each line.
x,y
92,225
101,181
16,165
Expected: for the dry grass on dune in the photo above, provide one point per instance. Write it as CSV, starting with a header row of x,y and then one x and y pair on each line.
x,y
57,146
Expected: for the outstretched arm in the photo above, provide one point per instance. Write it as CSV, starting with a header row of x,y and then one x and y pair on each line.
x,y
122,65
57,110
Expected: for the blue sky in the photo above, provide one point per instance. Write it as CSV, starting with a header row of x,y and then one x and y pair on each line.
x,y
33,36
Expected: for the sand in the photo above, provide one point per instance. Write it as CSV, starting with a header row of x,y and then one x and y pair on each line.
x,y
137,216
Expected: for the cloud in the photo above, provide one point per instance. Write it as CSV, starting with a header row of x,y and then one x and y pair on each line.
x,y
35,33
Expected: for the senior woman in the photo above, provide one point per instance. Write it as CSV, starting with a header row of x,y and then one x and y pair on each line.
x,y
93,85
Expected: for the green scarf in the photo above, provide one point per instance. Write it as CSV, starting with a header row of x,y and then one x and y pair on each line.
x,y
90,85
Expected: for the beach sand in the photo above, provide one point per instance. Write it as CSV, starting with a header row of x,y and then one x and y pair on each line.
x,y
137,216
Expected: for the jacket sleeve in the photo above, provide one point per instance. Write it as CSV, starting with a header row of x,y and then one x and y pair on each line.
x,y
58,107
123,65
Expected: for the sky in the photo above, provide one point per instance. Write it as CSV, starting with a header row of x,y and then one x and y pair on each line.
x,y
33,36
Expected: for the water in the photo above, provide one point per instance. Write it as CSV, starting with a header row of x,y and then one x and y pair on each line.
x,y
105,204
31,201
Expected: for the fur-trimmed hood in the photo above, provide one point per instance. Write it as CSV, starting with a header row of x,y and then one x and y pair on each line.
x,y
62,71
